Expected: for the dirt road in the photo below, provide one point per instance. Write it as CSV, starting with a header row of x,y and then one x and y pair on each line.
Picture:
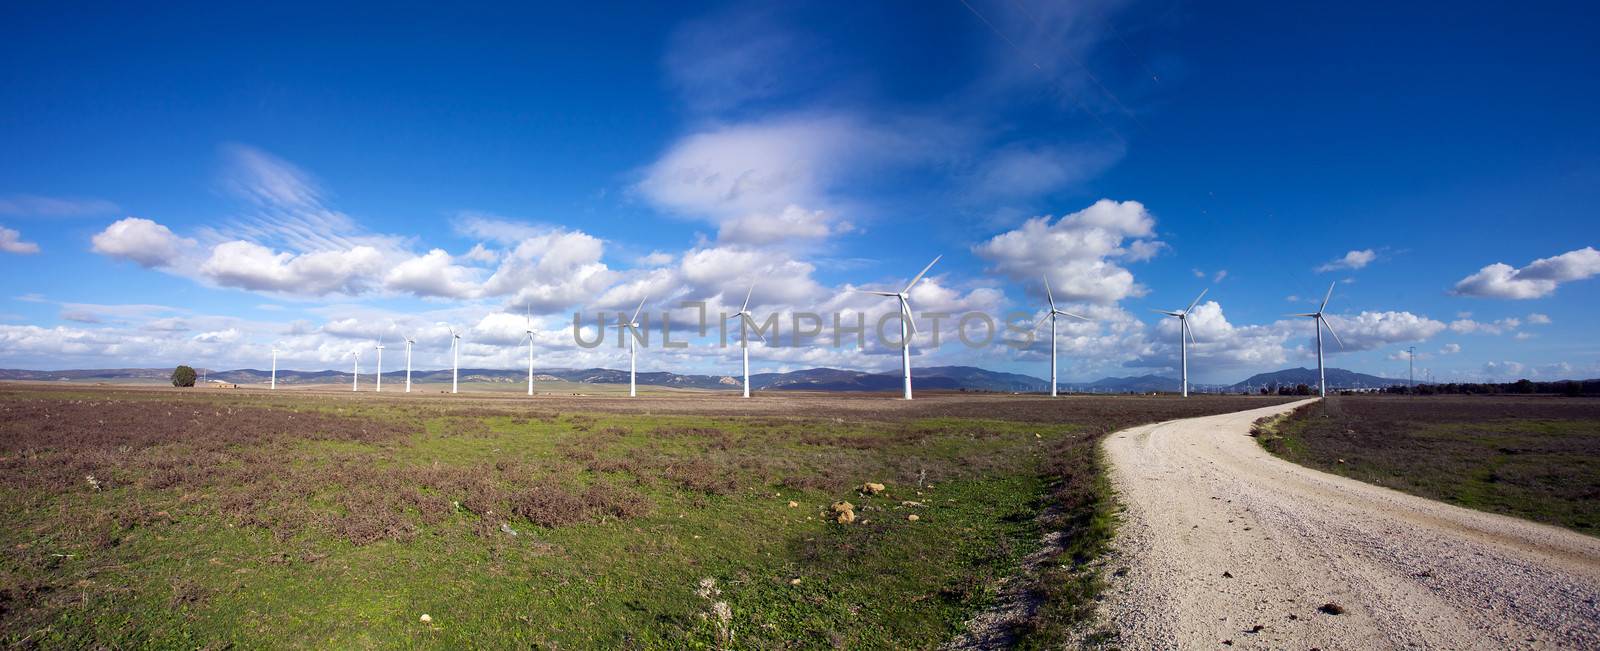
x,y
1224,545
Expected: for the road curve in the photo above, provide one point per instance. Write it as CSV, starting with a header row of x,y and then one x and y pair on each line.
x,y
1220,538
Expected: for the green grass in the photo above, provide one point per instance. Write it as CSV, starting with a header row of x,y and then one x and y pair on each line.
x,y
282,521
1529,457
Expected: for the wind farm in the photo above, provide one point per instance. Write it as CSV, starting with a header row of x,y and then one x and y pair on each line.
x,y
217,221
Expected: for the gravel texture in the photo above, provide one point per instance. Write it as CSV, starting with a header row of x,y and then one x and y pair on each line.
x,y
1224,545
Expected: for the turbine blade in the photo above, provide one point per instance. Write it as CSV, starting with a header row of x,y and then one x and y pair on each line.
x,y
1047,293
1325,298
1075,316
1306,314
753,329
1324,321
924,273
1040,322
1190,332
746,305
905,311
1168,313
1197,300
876,293
636,312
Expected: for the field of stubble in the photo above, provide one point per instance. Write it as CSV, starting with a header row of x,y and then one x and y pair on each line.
x,y
148,517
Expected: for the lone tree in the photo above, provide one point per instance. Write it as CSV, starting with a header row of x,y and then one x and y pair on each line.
x,y
183,376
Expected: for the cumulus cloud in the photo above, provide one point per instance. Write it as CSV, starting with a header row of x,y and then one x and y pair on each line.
x,y
248,265
141,241
1450,349
1080,252
1538,319
11,242
433,275
1370,330
1351,260
1539,279
551,270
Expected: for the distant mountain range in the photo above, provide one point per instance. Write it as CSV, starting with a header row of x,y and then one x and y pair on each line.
x,y
962,378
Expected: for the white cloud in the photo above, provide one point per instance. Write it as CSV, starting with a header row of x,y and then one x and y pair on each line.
x,y
433,275
1469,326
29,205
142,241
1540,278
1524,336
551,270
1370,330
11,242
248,265
1504,370
791,224
1536,318
1351,260
1450,349
1080,251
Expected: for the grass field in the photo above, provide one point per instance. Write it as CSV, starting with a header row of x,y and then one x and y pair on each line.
x,y
1533,457
194,518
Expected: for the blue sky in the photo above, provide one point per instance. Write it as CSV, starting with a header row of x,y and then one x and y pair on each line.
x,y
195,183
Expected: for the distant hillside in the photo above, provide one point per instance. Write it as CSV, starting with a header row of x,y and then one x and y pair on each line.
x,y
1338,378
966,378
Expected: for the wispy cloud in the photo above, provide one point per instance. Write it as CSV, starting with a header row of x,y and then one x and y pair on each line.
x,y
31,205
1351,260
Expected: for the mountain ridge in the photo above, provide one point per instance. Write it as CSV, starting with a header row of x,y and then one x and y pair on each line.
x,y
956,378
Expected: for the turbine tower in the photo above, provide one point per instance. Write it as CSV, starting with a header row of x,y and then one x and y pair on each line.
x,y
744,335
528,332
1185,335
908,325
633,348
355,373
1052,316
379,387
1321,322
409,340
274,385
455,360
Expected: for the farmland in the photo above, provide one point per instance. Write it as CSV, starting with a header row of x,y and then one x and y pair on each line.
x,y
1526,456
135,517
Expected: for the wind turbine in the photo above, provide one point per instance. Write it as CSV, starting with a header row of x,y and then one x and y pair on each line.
x,y
633,348
908,325
274,385
1185,335
744,335
379,388
1321,322
455,359
355,374
409,340
528,331
1052,316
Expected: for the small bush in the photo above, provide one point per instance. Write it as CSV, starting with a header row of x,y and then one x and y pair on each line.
x,y
183,376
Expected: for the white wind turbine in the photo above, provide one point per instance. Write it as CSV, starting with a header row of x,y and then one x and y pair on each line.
x,y
1054,312
379,388
744,335
1321,322
1185,335
355,373
455,359
409,340
274,385
528,332
908,325
633,347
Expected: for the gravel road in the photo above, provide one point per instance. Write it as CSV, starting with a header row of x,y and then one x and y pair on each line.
x,y
1226,546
